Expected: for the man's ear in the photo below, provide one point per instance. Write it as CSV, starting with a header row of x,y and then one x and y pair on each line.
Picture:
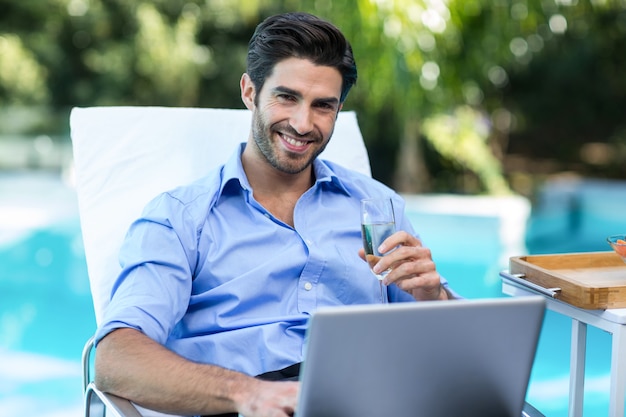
x,y
248,92
338,110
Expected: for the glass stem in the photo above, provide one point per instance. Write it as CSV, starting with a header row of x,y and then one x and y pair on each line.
x,y
383,292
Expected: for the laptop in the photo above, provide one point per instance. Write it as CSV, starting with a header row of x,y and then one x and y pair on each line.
x,y
468,358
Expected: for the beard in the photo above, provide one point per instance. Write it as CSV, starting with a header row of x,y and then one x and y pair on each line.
x,y
289,162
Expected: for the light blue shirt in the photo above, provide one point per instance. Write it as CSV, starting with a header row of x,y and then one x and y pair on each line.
x,y
211,274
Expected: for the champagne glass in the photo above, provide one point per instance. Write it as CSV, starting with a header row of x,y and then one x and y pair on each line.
x,y
377,224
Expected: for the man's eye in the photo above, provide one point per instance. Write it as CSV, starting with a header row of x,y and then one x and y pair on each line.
x,y
325,106
285,97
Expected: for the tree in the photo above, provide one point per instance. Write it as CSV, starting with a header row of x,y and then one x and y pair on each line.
x,y
447,89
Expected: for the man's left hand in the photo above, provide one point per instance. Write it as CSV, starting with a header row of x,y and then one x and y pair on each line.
x,y
411,267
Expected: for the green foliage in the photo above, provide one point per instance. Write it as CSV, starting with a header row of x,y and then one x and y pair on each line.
x,y
462,137
22,78
519,62
168,55
543,77
579,120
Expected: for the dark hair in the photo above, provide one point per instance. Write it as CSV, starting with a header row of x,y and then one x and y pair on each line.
x,y
299,35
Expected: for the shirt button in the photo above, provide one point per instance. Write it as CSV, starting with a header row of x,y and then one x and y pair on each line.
x,y
308,286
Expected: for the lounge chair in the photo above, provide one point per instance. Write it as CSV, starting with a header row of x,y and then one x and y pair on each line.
x,y
125,156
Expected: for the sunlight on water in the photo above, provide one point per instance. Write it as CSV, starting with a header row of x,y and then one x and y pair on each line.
x,y
41,385
549,395
31,384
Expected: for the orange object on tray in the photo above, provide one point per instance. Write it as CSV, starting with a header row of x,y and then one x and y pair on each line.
x,y
619,245
590,280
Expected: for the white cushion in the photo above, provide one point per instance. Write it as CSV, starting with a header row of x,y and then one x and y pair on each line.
x,y
125,156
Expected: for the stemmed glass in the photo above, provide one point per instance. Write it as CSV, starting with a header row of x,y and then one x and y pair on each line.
x,y
377,224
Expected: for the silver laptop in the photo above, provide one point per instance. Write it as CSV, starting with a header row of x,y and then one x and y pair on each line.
x,y
426,359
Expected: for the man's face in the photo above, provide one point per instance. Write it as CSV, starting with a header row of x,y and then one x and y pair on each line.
x,y
295,113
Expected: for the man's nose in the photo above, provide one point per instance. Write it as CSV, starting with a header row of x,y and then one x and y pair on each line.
x,y
302,120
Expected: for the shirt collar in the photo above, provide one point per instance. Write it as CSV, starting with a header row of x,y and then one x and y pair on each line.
x,y
233,172
324,173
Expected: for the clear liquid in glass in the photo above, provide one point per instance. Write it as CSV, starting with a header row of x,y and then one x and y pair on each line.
x,y
373,235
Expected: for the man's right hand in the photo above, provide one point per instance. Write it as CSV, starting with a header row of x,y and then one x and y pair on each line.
x,y
133,366
269,399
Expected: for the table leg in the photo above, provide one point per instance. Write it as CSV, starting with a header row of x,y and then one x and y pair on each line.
x,y
618,373
577,368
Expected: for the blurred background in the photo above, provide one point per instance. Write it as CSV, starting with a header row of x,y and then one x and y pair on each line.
x,y
478,101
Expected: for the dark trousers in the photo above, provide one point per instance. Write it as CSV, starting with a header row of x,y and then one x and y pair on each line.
x,y
289,373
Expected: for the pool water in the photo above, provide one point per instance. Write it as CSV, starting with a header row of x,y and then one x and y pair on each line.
x,y
45,318
46,312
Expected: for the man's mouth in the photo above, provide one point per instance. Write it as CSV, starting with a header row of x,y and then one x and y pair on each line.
x,y
293,143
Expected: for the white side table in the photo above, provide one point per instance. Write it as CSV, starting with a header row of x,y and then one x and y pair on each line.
x,y
611,320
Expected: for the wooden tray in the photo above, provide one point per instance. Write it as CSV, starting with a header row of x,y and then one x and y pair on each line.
x,y
591,280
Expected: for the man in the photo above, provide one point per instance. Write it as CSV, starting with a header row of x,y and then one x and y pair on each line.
x,y
219,277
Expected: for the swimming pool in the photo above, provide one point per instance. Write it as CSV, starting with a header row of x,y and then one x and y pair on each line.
x,y
46,313
45,309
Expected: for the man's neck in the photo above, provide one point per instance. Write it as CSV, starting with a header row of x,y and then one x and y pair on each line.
x,y
277,191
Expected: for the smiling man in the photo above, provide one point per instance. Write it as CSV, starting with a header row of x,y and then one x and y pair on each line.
x,y
220,277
